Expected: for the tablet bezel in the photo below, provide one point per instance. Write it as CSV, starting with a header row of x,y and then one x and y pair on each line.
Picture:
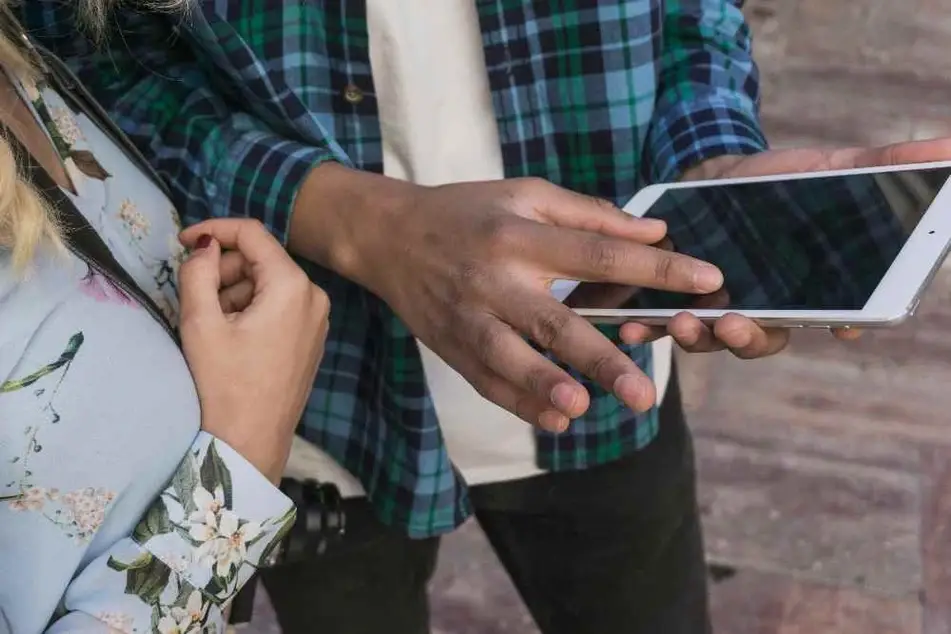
x,y
895,298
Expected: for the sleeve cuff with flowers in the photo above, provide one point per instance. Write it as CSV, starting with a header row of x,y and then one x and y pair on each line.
x,y
214,524
685,133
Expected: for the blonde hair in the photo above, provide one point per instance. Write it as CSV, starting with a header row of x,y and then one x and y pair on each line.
x,y
26,221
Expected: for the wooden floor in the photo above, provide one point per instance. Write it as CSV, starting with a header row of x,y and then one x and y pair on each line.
x,y
826,471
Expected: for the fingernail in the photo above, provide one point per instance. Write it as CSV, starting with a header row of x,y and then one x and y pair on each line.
x,y
630,389
707,278
553,422
564,397
654,223
203,241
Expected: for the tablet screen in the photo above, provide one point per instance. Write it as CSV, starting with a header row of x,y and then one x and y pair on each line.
x,y
812,244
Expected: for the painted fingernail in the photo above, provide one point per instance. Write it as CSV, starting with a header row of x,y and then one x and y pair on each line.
x,y
203,241
564,397
707,278
553,422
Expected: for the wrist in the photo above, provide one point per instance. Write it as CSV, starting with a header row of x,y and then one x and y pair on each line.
x,y
340,214
269,457
266,447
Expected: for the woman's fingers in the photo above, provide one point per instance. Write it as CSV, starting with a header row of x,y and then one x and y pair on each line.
x,y
199,280
267,261
237,297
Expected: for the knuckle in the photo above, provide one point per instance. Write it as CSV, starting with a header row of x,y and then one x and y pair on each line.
x,y
597,367
487,387
321,301
253,224
602,256
548,328
488,342
500,234
297,280
532,184
527,190
663,268
534,377
603,204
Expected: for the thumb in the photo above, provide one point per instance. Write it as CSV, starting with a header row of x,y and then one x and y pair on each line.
x,y
926,151
199,280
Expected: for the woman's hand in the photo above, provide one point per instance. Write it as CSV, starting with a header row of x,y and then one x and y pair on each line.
x,y
253,328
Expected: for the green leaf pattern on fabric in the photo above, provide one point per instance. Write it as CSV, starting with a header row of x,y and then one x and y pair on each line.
x,y
196,508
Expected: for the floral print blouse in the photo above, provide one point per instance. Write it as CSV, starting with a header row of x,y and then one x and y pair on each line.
x,y
116,513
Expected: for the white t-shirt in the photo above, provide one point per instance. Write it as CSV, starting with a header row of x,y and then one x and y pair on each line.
x,y
438,126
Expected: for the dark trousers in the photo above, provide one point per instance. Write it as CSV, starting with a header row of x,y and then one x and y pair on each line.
x,y
616,549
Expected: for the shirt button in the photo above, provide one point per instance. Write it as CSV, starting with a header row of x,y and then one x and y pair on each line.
x,y
352,94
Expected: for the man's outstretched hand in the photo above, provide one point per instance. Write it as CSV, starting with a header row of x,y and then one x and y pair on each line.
x,y
468,267
741,336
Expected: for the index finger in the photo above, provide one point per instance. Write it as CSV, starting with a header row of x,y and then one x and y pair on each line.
x,y
589,257
248,237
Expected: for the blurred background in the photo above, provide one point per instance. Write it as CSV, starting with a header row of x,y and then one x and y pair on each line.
x,y
826,471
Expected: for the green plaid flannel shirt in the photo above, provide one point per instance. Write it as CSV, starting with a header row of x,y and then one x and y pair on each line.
x,y
235,103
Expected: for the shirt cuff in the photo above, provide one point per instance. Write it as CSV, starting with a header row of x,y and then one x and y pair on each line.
x,y
260,175
218,519
689,132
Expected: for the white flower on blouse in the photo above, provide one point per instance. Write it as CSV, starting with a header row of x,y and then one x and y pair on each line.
x,y
206,502
66,123
223,540
184,620
204,519
233,545
134,220
227,547
168,625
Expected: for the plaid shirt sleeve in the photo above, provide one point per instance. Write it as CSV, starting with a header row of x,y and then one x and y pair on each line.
x,y
708,94
218,159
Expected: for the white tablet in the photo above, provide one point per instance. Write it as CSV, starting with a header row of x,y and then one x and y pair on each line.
x,y
842,248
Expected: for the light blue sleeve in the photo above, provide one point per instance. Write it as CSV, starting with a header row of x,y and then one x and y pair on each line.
x,y
195,547
116,513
